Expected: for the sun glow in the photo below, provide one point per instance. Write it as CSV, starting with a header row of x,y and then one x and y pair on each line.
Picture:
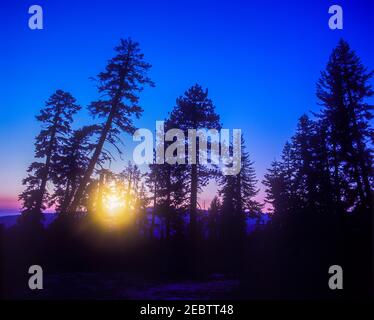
x,y
113,203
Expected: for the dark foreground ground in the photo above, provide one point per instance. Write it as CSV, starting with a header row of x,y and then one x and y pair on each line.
x,y
129,286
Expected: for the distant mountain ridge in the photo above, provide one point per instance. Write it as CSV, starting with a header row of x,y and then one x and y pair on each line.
x,y
9,219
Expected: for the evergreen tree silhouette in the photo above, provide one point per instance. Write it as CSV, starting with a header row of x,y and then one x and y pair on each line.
x,y
238,191
214,220
70,164
153,182
169,189
194,110
131,177
124,77
276,189
281,183
142,202
342,90
312,177
323,189
303,163
56,119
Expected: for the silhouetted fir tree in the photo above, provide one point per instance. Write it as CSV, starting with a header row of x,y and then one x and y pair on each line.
x,y
289,170
55,118
303,154
194,110
179,196
132,178
167,185
342,90
213,224
180,188
142,202
276,189
312,166
124,77
70,164
247,185
280,183
153,182
174,189
237,192
227,193
323,189
171,194
327,168
301,181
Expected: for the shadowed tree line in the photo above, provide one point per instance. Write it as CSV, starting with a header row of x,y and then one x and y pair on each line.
x,y
320,192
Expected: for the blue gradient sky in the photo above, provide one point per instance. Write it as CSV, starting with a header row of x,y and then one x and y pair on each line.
x,y
259,59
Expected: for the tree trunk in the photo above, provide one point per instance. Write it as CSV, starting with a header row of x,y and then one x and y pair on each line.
x,y
44,179
337,207
364,185
154,209
66,200
238,195
193,200
91,166
168,207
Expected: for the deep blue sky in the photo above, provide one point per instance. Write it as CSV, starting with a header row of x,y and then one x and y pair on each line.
x,y
259,59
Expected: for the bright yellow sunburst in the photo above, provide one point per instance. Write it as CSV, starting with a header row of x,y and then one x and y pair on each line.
x,y
113,203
